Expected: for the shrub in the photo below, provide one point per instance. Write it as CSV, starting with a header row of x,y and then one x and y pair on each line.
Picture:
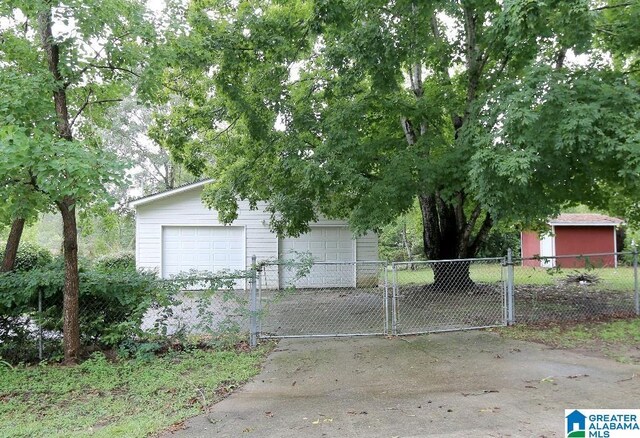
x,y
31,256
123,261
112,306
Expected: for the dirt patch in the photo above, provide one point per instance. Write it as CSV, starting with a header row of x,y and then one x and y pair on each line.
x,y
570,302
422,308
323,312
425,308
607,337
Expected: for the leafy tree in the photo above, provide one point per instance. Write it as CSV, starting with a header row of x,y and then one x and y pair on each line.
x,y
151,166
477,109
61,62
18,96
401,240
108,231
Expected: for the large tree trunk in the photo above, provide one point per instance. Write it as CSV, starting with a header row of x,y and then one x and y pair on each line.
x,y
71,327
450,235
13,242
71,324
452,276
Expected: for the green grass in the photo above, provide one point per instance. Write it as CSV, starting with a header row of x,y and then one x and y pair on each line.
x,y
481,273
620,278
132,398
618,339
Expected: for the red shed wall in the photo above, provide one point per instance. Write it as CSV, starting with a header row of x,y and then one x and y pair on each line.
x,y
572,240
530,242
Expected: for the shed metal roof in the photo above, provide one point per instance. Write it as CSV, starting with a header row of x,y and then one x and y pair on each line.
x,y
585,219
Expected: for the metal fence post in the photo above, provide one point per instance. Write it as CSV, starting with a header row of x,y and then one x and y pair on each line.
x,y
394,299
386,298
635,279
510,303
253,317
40,334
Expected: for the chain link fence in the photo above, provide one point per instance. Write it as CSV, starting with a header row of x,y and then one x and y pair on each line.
x,y
152,311
575,288
322,299
200,312
277,299
448,295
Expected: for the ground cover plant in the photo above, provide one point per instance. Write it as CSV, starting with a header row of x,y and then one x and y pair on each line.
x,y
125,398
618,339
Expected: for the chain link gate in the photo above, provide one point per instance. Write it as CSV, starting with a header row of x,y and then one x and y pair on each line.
x,y
322,299
358,298
447,295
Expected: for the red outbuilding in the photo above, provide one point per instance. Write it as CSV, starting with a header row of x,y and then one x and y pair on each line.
x,y
573,234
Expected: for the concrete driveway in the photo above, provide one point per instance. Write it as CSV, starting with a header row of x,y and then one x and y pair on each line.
x,y
452,384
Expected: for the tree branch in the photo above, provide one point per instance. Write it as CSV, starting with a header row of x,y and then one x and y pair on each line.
x,y
409,132
560,57
607,31
459,211
87,103
114,68
82,107
619,5
471,223
482,234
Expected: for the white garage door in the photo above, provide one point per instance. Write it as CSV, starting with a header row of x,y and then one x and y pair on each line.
x,y
201,248
327,245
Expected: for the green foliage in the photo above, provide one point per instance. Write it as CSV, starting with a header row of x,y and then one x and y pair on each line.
x,y
616,339
402,239
120,308
499,241
80,173
521,170
352,109
123,262
101,47
112,304
151,167
125,398
105,231
31,256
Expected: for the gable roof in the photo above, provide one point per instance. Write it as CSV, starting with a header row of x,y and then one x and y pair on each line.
x,y
166,193
585,219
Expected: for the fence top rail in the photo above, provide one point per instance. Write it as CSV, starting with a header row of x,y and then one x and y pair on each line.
x,y
430,262
296,262
564,256
214,277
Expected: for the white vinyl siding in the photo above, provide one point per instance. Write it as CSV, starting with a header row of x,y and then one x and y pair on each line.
x,y
185,209
325,244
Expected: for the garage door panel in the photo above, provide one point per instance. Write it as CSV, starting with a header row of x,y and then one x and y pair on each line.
x,y
325,244
236,259
186,232
201,245
203,249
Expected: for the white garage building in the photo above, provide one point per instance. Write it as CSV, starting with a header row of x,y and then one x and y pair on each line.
x,y
176,232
